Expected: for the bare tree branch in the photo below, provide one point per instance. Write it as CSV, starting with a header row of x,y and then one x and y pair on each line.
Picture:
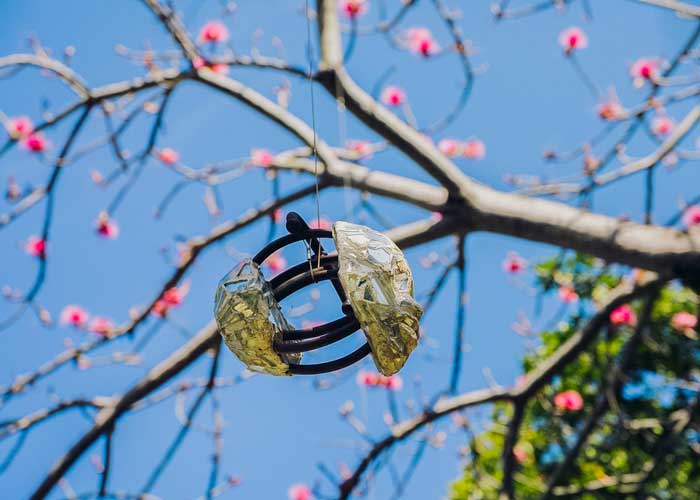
x,y
532,383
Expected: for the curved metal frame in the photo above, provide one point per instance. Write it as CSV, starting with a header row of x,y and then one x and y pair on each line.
x,y
320,267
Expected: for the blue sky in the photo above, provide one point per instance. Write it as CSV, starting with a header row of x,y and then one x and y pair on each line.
x,y
526,99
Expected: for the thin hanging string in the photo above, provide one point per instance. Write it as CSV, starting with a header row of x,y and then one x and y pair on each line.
x,y
342,139
309,54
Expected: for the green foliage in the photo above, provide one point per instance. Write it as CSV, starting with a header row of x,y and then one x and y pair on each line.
x,y
645,437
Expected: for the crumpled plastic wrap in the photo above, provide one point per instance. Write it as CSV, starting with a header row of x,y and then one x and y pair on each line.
x,y
250,319
379,286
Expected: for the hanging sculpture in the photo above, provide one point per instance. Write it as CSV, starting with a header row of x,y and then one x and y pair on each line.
x,y
371,277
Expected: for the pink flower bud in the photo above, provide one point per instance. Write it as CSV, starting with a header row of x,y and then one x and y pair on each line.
x,y
520,453
421,41
74,315
623,315
513,263
261,157
645,68
172,297
20,127
568,400
567,294
276,262
684,321
213,32
100,325
299,492
393,96
168,156
662,125
573,38
393,383
611,109
474,149
35,142
367,379
691,216
35,246
353,8
363,149
450,147
106,227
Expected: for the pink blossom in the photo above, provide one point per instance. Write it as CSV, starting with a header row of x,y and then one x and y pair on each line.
x,y
513,263
277,215
450,147
214,32
573,38
421,41
662,125
691,216
106,227
35,142
436,217
74,315
645,68
520,453
623,315
276,262
683,321
567,294
20,127
372,379
299,492
261,157
367,379
611,109
322,223
168,156
35,246
568,400
198,62
101,325
474,149
353,8
219,68
172,297
393,382
363,149
393,96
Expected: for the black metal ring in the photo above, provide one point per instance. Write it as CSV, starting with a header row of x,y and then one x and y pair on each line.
x,y
323,335
313,332
302,280
330,366
327,261
275,245
327,337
